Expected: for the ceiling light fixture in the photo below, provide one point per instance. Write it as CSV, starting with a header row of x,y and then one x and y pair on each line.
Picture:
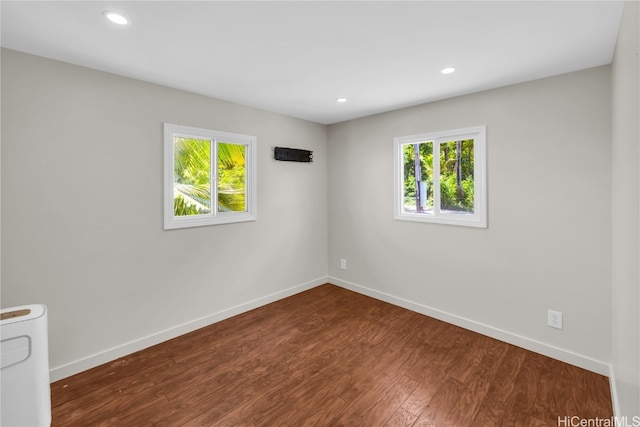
x,y
116,18
447,70
341,100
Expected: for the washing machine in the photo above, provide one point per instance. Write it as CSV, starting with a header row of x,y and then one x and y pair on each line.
x,y
25,399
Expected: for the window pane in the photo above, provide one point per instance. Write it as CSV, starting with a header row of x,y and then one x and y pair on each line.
x,y
231,177
418,177
192,176
456,176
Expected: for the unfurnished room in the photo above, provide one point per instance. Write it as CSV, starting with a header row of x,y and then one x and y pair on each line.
x,y
320,213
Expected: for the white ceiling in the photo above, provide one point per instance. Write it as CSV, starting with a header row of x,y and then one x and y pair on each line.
x,y
297,57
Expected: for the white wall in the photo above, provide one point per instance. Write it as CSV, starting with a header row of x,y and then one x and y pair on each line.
x,y
626,215
82,228
548,241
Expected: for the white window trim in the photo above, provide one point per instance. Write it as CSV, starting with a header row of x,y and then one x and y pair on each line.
x,y
479,217
170,220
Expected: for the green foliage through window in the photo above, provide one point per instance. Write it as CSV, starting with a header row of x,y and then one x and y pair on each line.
x,y
456,176
192,176
231,177
456,168
425,156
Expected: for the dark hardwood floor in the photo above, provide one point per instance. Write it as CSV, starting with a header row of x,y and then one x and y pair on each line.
x,y
330,357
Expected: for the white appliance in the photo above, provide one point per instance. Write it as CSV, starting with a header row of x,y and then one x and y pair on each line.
x,y
25,397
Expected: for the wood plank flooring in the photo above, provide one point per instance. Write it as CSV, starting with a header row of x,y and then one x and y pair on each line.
x,y
330,357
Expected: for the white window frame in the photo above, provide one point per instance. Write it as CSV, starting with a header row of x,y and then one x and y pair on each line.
x,y
250,142
479,216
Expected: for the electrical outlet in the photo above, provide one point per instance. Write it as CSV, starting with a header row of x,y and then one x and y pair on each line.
x,y
554,319
343,264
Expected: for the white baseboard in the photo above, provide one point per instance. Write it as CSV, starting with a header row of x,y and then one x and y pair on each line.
x,y
66,370
563,355
114,353
614,392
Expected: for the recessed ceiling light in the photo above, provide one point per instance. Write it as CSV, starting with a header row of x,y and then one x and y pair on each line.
x,y
116,18
447,70
341,100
